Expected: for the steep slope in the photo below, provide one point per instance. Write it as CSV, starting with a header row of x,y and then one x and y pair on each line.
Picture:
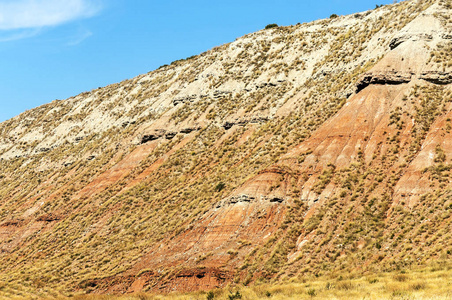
x,y
292,151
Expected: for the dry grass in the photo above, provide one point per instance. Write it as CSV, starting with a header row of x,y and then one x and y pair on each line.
x,y
421,284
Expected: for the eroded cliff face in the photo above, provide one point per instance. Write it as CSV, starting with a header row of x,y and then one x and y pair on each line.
x,y
299,150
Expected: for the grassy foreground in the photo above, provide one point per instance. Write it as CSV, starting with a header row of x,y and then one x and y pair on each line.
x,y
429,283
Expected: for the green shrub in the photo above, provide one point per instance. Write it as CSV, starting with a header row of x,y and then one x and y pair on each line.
x,y
312,292
219,186
210,295
271,26
233,296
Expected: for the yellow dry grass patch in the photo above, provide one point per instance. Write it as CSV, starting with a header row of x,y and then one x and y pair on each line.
x,y
429,283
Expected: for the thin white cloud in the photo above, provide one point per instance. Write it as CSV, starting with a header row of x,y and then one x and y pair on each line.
x,y
18,34
23,14
80,38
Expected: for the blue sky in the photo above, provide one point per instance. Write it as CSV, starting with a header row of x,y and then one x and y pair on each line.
x,y
54,49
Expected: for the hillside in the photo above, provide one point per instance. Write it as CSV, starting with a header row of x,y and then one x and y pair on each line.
x,y
292,152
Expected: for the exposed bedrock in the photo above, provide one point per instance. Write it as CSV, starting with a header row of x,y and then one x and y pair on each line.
x,y
437,77
394,78
396,41
391,77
